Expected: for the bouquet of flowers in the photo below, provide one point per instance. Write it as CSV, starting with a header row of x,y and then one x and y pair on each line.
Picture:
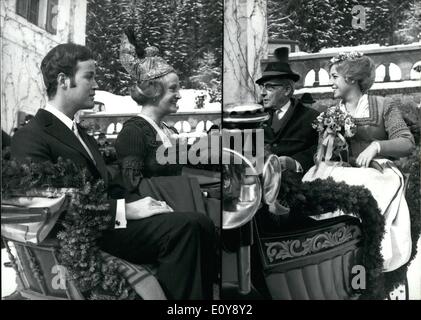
x,y
333,125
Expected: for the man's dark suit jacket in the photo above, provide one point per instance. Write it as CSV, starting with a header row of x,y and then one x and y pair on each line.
x,y
46,138
296,138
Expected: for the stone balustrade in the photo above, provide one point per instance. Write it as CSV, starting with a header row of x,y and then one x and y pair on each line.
x,y
401,59
395,74
185,122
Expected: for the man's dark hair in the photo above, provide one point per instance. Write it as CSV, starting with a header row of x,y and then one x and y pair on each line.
x,y
62,58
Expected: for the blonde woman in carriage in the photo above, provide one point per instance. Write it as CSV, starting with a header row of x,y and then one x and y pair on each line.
x,y
380,136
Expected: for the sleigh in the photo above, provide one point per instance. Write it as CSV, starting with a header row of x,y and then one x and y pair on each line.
x,y
27,224
298,260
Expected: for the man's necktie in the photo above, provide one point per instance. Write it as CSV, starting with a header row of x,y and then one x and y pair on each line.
x,y
76,132
277,119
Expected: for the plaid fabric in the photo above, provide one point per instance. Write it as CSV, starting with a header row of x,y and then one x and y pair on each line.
x,y
140,277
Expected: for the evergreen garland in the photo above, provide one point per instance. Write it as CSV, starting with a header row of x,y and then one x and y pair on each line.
x,y
321,196
87,216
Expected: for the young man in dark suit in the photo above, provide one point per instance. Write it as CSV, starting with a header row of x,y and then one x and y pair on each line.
x,y
288,132
180,243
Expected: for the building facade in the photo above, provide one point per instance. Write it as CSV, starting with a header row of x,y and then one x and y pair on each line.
x,y
29,29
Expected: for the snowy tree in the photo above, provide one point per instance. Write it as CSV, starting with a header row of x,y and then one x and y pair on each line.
x,y
211,24
383,19
309,22
279,19
208,77
343,29
410,28
328,23
181,29
103,27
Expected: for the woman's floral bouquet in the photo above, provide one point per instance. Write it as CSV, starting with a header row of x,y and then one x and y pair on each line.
x,y
333,125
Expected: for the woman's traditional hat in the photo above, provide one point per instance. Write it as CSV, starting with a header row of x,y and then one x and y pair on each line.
x,y
142,63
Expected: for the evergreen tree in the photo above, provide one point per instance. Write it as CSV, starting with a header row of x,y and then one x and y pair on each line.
x,y
105,22
328,23
211,24
314,29
208,76
309,22
183,30
343,29
279,19
409,29
383,19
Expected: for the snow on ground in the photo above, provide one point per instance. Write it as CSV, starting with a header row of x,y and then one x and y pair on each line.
x,y
414,276
8,276
363,48
376,86
355,48
125,104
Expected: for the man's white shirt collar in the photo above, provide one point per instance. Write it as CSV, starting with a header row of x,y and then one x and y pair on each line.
x,y
281,111
60,115
286,106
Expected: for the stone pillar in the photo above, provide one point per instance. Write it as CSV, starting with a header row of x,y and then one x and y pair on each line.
x,y
406,67
316,77
387,72
78,8
245,45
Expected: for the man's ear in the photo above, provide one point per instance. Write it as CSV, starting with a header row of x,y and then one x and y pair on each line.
x,y
62,80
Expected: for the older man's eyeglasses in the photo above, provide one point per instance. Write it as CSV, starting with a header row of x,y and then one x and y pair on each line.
x,y
270,86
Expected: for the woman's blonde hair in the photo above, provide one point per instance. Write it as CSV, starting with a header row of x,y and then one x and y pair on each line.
x,y
355,66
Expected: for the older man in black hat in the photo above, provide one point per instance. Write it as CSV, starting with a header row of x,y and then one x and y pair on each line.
x,y
288,132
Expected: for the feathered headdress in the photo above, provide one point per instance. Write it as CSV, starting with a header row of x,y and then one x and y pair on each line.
x,y
141,62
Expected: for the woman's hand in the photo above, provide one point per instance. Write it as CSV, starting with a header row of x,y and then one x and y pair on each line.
x,y
146,207
367,155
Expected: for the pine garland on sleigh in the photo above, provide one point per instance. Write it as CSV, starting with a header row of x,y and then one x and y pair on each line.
x,y
83,223
321,196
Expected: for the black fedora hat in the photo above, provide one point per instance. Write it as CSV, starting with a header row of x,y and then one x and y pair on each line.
x,y
279,69
307,98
